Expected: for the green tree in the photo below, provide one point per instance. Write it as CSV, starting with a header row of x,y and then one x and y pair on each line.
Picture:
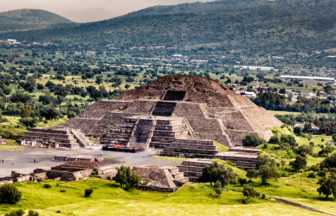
x,y
99,80
268,171
307,127
327,185
304,150
9,194
299,163
249,192
298,131
253,140
126,179
71,114
242,181
251,173
283,163
217,172
25,112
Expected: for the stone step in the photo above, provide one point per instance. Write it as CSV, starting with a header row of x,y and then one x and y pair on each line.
x,y
117,136
193,146
168,127
173,134
196,164
186,150
125,125
170,122
192,174
115,141
183,168
121,130
159,145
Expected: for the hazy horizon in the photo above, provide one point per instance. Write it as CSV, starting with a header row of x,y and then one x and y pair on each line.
x,y
86,10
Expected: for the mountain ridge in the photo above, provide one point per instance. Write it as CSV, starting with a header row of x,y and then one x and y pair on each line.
x,y
29,19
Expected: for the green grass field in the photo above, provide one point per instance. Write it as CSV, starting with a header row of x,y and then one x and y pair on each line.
x,y
109,199
283,113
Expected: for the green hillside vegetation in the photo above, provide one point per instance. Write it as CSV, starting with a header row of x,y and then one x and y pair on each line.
x,y
27,19
305,24
198,7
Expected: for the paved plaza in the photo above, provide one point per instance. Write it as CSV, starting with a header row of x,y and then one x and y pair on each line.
x,y
21,161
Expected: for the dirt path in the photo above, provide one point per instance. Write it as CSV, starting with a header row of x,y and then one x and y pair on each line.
x,y
292,204
299,206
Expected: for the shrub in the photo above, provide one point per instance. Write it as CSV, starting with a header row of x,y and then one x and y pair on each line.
x,y
33,213
311,175
88,192
16,213
47,186
249,193
253,140
242,181
58,211
9,194
298,131
217,188
71,114
322,174
274,140
63,191
263,196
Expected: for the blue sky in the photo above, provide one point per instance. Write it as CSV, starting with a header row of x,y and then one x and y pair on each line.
x,y
88,10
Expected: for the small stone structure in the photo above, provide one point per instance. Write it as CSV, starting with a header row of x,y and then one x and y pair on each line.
x,y
245,158
70,157
18,177
55,138
102,170
163,179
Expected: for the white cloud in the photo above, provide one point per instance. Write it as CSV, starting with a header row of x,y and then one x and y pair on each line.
x,y
88,10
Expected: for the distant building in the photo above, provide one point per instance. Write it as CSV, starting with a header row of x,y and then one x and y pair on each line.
x,y
177,56
1,63
246,94
305,78
261,68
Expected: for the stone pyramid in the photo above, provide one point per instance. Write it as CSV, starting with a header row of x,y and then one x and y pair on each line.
x,y
186,106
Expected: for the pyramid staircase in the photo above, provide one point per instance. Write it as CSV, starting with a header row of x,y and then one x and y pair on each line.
x,y
82,139
121,133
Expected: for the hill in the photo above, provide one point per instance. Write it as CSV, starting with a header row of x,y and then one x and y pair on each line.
x,y
198,7
292,24
24,19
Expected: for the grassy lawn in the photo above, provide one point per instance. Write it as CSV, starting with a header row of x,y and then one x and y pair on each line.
x,y
52,123
283,113
109,199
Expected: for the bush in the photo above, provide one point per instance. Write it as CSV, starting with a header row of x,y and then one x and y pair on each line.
x,y
9,194
263,196
88,192
47,186
16,213
242,181
322,174
63,191
274,140
58,211
311,175
71,114
298,131
33,213
217,188
253,140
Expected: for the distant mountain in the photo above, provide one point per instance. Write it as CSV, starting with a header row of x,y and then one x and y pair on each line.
x,y
290,24
197,7
27,19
